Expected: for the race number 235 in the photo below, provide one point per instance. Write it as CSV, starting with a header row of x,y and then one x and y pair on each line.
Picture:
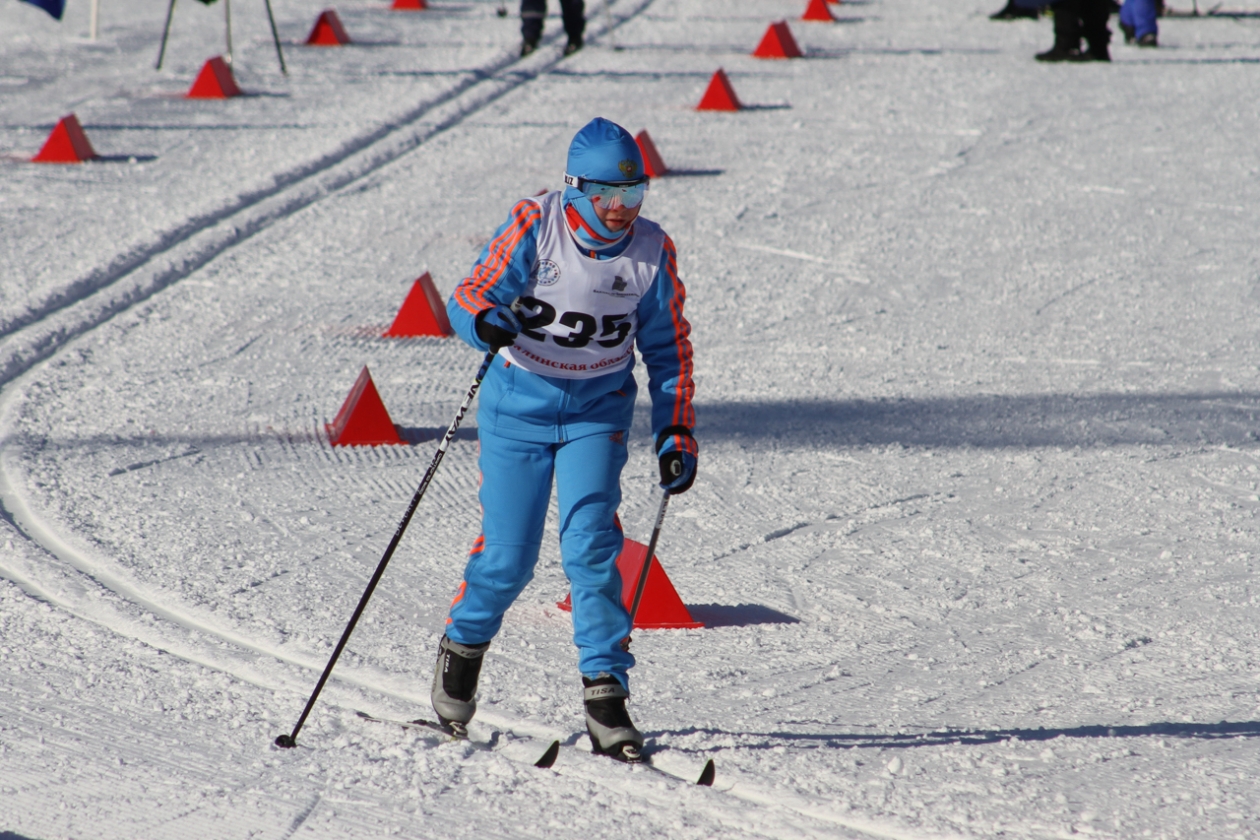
x,y
583,326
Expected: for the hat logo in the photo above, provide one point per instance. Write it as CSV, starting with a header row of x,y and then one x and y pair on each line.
x,y
628,168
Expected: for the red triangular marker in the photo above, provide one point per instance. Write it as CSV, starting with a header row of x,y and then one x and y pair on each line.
x,y
777,43
66,143
410,5
720,96
836,2
362,420
817,11
422,313
653,166
661,608
328,31
215,81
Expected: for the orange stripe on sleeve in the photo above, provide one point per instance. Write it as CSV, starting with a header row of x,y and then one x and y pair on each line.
x,y
471,292
684,413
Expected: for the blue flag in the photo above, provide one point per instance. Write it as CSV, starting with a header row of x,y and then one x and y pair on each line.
x,y
53,7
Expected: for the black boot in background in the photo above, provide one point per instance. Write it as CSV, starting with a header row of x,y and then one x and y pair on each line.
x,y
1094,15
573,12
1013,12
533,12
1067,34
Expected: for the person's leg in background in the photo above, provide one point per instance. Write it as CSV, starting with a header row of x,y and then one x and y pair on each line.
x,y
533,13
1094,14
574,14
1067,33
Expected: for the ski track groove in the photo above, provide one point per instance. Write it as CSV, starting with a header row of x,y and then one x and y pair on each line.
x,y
94,300
793,812
792,819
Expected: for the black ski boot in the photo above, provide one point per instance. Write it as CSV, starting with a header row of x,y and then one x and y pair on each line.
x,y
607,721
1058,53
454,693
1012,12
1097,52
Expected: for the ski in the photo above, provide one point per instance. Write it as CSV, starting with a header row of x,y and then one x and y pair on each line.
x,y
549,756
547,759
707,775
705,779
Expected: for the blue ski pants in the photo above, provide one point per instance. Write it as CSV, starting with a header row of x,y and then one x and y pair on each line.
x,y
516,480
1141,15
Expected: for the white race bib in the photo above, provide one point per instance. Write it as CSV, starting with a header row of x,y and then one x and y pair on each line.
x,y
580,313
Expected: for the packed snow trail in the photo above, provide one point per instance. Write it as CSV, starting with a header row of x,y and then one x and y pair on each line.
x,y
177,252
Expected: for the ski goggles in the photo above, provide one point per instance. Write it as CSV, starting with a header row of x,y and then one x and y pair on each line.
x,y
610,194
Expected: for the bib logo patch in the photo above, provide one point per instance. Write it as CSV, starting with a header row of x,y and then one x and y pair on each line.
x,y
619,284
546,273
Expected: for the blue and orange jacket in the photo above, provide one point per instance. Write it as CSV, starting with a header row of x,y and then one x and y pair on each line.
x,y
520,405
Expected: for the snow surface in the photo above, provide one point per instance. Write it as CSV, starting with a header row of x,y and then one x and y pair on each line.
x,y
975,526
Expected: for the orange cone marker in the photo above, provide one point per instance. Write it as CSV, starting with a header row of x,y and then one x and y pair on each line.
x,y
66,143
777,43
817,11
719,96
653,166
661,608
215,81
362,420
328,31
422,313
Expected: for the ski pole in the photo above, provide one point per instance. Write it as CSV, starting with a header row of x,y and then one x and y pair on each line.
x,y
290,740
651,555
227,20
275,37
166,33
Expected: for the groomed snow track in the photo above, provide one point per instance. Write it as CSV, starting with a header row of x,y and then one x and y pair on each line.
x,y
134,277
86,587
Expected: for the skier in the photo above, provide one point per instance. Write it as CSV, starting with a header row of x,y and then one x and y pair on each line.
x,y
593,280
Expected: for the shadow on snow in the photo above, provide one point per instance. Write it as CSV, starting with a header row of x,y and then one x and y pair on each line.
x,y
737,615
771,740
1050,420
982,421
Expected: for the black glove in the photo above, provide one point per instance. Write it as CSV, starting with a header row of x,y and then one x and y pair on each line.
x,y
676,450
497,326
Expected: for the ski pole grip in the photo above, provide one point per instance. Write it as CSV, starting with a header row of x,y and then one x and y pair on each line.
x,y
516,306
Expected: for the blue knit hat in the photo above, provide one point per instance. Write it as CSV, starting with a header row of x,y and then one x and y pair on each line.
x,y
604,151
